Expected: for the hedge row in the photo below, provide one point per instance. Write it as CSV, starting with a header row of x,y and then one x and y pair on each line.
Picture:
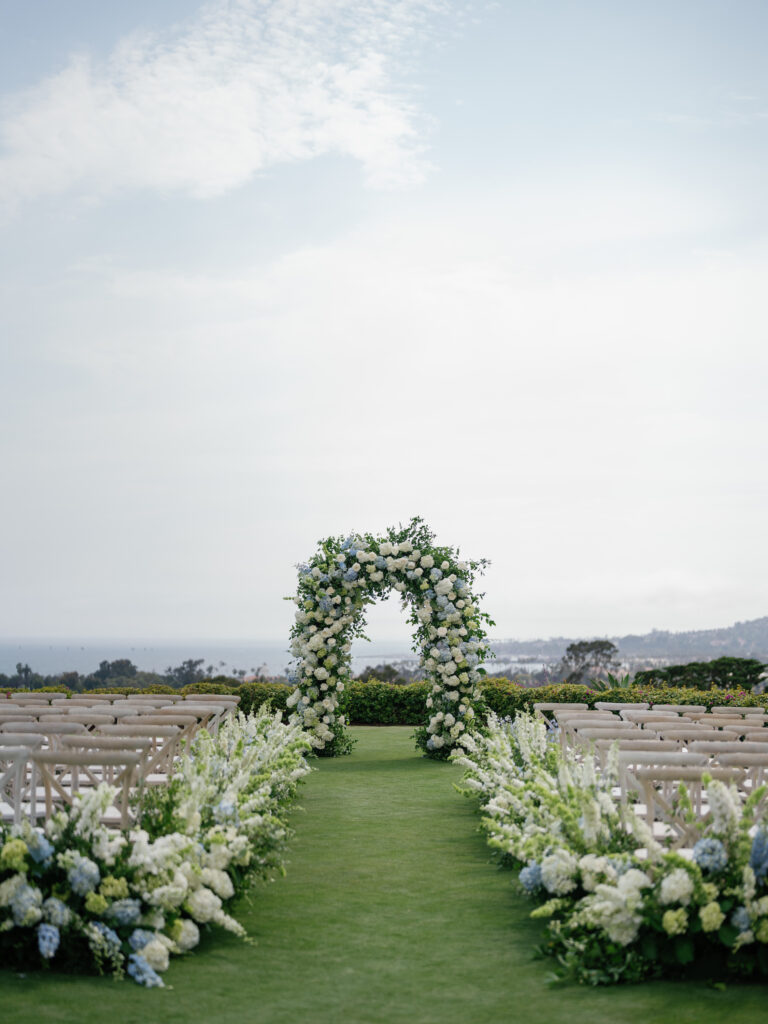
x,y
377,703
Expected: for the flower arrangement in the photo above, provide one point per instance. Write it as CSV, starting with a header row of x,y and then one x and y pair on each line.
x,y
336,586
620,905
82,896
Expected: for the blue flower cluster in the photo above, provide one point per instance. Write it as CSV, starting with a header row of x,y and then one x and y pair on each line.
x,y
142,973
83,876
25,905
127,911
48,939
40,848
758,859
710,855
109,936
740,919
530,877
56,912
139,938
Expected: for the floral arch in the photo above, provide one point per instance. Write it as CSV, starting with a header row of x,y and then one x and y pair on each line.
x,y
336,586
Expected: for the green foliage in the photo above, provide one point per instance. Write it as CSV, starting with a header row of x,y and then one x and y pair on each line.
x,y
375,703
724,673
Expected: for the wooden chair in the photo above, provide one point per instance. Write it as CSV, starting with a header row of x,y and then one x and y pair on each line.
x,y
164,741
660,791
540,708
62,774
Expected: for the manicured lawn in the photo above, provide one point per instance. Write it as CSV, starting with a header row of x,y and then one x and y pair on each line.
x,y
391,913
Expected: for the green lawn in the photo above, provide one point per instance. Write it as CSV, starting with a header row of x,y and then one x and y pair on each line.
x,y
391,913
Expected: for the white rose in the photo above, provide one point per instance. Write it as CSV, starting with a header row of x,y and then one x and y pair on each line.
x,y
444,566
427,562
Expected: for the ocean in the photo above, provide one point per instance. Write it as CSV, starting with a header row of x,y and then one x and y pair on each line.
x,y
49,657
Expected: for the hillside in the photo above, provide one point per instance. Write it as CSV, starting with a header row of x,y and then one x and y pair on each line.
x,y
743,639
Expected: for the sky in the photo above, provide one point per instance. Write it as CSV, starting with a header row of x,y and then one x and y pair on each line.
x,y
279,270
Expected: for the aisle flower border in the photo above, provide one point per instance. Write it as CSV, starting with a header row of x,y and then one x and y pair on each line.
x,y
620,905
345,575
76,895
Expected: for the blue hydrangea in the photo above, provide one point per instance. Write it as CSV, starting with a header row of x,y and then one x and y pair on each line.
x,y
381,562
350,575
139,938
710,855
83,876
740,919
142,973
530,877
40,848
56,912
26,905
127,911
110,937
435,574
758,859
47,940
304,570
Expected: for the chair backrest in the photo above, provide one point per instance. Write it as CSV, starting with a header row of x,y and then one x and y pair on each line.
x,y
692,734
84,717
213,698
735,710
33,698
575,724
650,716
717,747
648,741
21,739
661,757
678,707
91,742
607,705
596,733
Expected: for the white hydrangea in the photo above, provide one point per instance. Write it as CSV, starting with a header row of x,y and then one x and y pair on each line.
x,y
676,887
558,871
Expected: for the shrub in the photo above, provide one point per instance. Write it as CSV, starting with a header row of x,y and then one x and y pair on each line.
x,y
728,673
378,703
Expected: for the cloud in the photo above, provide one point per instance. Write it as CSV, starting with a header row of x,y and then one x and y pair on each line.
x,y
243,87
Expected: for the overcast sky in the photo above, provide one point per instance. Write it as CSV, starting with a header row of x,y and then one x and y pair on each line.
x,y
282,269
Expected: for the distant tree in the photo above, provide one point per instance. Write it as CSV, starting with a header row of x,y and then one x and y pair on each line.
x,y
382,674
122,668
185,674
587,658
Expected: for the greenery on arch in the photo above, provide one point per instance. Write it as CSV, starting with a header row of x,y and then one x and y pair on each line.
x,y
336,586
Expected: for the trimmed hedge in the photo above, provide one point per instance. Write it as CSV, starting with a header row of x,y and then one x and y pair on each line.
x,y
378,703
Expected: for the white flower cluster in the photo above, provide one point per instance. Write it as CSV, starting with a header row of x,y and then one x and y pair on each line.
x,y
154,890
595,863
334,589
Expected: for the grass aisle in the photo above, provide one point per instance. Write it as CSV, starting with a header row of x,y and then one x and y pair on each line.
x,y
390,914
